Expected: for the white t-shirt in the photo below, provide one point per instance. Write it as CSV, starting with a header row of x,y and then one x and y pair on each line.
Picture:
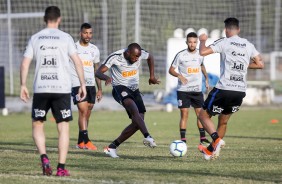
x,y
123,72
189,66
89,56
51,48
235,56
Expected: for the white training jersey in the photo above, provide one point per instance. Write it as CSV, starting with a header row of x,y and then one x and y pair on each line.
x,y
123,72
89,55
51,48
235,56
189,66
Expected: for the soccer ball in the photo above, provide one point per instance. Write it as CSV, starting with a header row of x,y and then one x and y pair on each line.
x,y
178,148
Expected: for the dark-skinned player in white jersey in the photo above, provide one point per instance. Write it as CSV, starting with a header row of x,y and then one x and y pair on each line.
x,y
237,56
124,69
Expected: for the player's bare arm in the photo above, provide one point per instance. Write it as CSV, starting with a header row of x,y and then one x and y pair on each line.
x,y
178,75
99,94
79,69
100,74
152,79
204,71
204,50
24,95
256,63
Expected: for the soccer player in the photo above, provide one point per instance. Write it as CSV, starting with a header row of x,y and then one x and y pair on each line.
x,y
90,56
237,56
124,69
51,48
189,89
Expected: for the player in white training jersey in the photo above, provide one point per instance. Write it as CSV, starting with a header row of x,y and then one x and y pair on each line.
x,y
189,89
51,48
124,69
237,56
90,56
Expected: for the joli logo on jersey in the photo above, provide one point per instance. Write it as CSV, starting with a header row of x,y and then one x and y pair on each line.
x,y
51,61
129,73
238,67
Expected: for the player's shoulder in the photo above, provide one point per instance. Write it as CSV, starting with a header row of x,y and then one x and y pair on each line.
x,y
219,40
92,46
181,52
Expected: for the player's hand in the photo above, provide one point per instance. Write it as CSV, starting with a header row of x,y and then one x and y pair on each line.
x,y
207,85
108,81
99,95
24,94
154,80
183,79
81,95
203,37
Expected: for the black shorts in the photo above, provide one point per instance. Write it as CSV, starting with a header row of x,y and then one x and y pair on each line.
x,y
60,105
90,97
223,101
187,99
122,92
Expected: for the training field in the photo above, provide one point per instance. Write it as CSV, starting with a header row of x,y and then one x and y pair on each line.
x,y
252,153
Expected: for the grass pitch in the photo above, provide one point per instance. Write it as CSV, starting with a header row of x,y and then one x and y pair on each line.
x,y
252,153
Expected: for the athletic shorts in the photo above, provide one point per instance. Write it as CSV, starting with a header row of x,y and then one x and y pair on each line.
x,y
223,101
122,92
90,97
187,99
60,105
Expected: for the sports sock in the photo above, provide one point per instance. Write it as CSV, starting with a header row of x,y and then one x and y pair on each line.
x,y
85,136
202,132
43,156
62,166
214,136
80,137
146,135
182,133
114,144
210,148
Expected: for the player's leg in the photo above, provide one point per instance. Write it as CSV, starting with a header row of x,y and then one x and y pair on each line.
x,y
203,139
82,124
183,123
222,124
40,106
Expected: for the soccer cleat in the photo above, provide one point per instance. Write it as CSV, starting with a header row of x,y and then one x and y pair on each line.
x,y
207,154
62,172
46,168
80,145
90,146
111,152
217,145
204,141
150,142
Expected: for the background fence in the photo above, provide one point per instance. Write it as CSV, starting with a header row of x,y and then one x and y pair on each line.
x,y
151,23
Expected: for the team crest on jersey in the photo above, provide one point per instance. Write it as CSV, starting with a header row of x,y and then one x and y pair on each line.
x,y
124,93
179,103
217,109
39,113
66,113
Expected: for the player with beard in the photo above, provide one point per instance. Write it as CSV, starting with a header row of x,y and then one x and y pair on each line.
x,y
90,56
189,89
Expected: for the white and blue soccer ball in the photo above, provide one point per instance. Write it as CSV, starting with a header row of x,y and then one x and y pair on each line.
x,y
178,148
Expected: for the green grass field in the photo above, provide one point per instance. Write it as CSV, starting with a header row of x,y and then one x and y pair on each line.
x,y
252,153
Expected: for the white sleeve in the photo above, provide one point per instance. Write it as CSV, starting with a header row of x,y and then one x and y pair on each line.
x,y
29,50
97,58
144,54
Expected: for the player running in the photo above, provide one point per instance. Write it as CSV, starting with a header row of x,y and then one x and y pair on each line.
x,y
124,69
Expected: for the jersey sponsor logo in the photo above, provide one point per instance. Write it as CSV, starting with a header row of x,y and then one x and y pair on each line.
x,y
235,108
217,109
66,113
49,37
44,47
192,70
87,63
88,81
49,61
49,76
237,66
242,45
39,113
129,73
237,54
235,77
